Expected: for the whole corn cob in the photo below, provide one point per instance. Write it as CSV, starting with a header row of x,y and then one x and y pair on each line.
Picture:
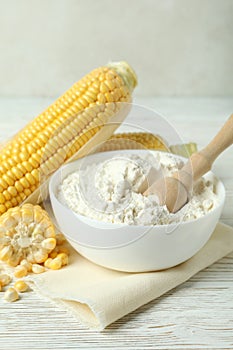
x,y
185,149
61,131
144,140
134,140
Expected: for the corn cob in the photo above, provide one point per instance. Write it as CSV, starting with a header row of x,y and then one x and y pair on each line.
x,y
143,140
26,232
134,140
61,131
185,149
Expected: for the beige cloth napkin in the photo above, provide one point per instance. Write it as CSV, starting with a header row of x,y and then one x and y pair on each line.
x,y
99,296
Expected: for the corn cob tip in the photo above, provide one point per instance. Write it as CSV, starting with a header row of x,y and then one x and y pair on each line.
x,y
126,72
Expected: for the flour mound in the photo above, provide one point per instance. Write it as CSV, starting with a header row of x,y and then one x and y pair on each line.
x,y
110,191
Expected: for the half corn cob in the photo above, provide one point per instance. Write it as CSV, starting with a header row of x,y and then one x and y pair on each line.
x,y
27,239
61,131
26,232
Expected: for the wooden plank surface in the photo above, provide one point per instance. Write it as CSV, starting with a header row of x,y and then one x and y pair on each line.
x,y
195,315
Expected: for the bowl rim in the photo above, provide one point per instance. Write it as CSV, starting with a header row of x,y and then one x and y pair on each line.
x,y
211,212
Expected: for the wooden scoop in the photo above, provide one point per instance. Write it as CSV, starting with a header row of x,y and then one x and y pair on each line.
x,y
174,191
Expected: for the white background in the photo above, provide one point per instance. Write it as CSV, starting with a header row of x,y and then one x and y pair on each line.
x,y
177,47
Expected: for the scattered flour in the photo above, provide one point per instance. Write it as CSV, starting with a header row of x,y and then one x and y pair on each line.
x,y
110,191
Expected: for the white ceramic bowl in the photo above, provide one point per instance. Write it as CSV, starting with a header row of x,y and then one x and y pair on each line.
x,y
128,247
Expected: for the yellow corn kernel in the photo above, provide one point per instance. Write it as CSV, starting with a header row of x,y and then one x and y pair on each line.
x,y
12,190
60,238
21,286
5,253
53,254
27,214
8,204
64,258
5,279
40,256
50,232
26,264
2,198
44,223
0,286
19,186
49,244
7,195
55,264
14,213
20,271
8,221
14,201
38,214
36,268
64,250
37,150
11,295
30,258
47,262
3,208
14,260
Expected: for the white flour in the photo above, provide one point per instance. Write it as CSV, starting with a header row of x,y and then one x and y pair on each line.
x,y
108,191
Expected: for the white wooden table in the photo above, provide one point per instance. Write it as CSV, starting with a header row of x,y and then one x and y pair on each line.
x,y
195,315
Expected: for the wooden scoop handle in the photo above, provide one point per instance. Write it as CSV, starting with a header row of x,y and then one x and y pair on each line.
x,y
201,162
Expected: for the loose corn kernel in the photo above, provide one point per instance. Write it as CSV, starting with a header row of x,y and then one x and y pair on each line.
x,y
47,262
11,295
60,238
64,250
64,258
26,264
36,268
20,271
55,264
54,253
21,286
5,279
